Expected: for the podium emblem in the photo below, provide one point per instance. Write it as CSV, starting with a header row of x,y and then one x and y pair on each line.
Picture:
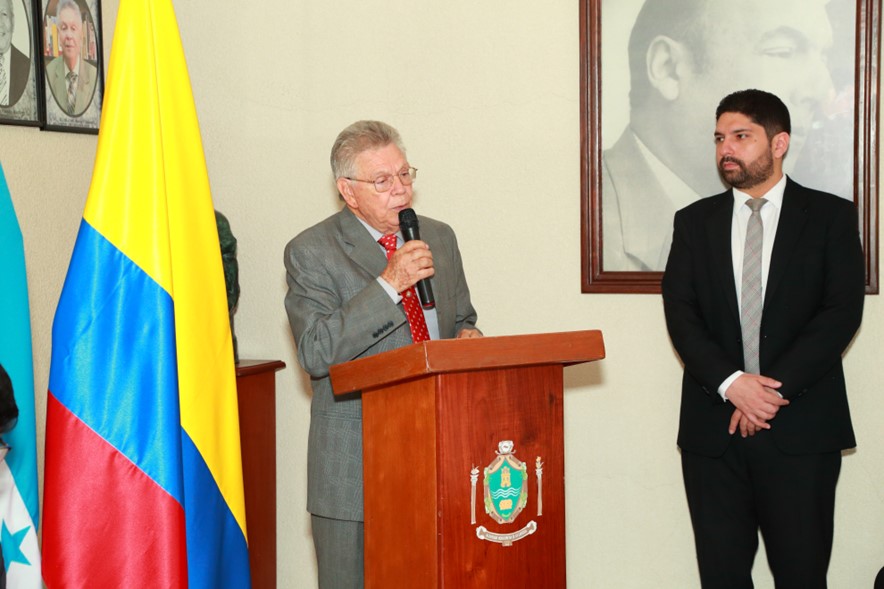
x,y
506,488
506,494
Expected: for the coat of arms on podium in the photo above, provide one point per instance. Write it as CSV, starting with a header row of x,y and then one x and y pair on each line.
x,y
506,488
506,493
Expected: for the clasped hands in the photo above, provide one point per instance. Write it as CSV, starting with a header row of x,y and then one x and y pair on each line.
x,y
756,402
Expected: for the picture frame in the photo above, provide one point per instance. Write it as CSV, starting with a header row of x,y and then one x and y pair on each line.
x,y
77,111
21,104
840,147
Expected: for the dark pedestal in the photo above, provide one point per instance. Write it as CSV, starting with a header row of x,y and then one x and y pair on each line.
x,y
256,393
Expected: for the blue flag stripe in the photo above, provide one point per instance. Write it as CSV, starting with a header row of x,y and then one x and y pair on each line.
x,y
217,554
130,396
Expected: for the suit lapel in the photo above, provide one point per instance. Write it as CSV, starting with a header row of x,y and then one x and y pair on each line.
x,y
367,254
718,230
83,83
789,228
645,238
359,245
59,84
441,280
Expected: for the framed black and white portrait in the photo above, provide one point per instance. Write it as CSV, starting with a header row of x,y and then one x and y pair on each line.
x,y
72,64
19,89
652,74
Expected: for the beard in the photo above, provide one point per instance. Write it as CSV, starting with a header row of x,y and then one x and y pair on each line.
x,y
747,176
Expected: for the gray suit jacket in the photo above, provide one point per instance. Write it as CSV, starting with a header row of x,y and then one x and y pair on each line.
x,y
339,312
86,78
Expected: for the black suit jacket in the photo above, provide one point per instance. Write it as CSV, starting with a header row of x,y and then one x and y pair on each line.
x,y
813,305
20,67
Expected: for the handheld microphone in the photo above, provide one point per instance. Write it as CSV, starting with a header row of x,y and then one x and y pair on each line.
x,y
409,227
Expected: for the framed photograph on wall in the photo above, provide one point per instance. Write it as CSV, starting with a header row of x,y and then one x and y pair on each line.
x,y
19,74
72,48
652,74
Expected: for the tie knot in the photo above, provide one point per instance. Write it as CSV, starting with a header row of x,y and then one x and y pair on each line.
x,y
756,203
72,77
389,242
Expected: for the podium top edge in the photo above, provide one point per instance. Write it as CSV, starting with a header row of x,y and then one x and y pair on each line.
x,y
249,367
460,355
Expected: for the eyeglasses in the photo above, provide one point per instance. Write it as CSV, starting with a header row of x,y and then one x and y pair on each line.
x,y
4,449
385,182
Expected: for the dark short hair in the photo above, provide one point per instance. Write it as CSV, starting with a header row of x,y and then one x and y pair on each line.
x,y
762,108
680,20
8,408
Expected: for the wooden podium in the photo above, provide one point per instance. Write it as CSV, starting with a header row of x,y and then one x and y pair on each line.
x,y
434,415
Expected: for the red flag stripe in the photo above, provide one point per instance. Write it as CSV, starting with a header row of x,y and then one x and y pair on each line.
x,y
135,543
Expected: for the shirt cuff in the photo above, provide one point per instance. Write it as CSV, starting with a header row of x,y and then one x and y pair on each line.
x,y
722,389
394,296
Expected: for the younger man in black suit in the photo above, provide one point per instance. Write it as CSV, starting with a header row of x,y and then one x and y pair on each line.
x,y
763,291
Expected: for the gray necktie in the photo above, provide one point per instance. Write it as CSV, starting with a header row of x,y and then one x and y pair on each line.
x,y
72,91
750,295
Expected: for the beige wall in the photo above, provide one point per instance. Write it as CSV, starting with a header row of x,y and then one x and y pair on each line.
x,y
486,97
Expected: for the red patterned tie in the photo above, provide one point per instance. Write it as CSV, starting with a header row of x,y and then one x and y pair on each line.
x,y
413,311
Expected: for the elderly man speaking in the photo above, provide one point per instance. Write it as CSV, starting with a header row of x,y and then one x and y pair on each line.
x,y
351,294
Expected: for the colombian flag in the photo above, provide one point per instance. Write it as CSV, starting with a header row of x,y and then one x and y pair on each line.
x,y
143,476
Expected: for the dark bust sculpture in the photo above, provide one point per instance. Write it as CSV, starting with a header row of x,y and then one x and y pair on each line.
x,y
231,271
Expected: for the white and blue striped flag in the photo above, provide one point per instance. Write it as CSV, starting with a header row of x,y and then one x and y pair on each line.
x,y
19,503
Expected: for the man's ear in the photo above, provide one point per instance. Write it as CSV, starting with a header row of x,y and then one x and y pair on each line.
x,y
666,63
780,144
345,189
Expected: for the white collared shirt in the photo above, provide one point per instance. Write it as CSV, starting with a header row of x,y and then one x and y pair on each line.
x,y
76,69
770,218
